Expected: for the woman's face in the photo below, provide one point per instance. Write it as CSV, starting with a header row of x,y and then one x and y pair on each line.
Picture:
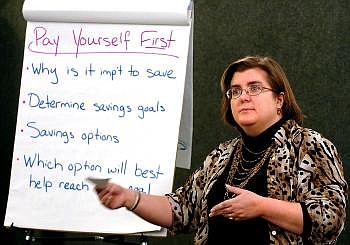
x,y
256,113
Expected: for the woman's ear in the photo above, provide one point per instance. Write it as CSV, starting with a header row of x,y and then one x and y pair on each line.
x,y
280,100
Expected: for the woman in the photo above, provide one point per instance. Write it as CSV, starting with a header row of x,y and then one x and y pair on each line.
x,y
277,183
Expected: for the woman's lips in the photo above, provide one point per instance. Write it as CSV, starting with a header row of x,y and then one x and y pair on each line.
x,y
245,109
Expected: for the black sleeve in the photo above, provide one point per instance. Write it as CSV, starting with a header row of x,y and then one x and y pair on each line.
x,y
306,221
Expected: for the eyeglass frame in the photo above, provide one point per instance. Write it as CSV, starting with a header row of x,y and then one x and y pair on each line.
x,y
229,96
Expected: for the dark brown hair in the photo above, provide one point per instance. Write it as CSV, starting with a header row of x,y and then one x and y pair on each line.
x,y
277,80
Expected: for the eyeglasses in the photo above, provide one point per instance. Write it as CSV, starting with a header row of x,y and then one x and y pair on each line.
x,y
253,89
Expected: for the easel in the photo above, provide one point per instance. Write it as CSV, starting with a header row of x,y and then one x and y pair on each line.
x,y
115,239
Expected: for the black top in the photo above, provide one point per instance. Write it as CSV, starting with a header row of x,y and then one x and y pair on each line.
x,y
252,231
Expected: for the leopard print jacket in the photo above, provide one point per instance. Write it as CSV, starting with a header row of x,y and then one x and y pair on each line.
x,y
304,167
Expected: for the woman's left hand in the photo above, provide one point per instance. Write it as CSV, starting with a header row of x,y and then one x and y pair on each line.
x,y
245,205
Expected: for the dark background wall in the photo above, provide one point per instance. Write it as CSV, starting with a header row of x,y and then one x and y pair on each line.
x,y
310,39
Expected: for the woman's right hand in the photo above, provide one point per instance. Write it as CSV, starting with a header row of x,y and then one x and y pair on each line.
x,y
114,196
155,209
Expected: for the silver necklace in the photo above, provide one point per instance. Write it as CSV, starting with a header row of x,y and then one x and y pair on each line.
x,y
243,177
252,152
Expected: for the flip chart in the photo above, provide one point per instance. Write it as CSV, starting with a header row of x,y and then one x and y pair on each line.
x,y
102,95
